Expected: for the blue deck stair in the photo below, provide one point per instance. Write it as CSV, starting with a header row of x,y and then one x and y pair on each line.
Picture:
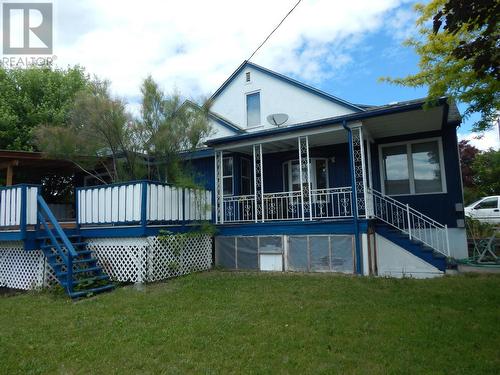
x,y
76,270
415,247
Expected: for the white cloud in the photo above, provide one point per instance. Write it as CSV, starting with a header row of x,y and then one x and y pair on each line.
x,y
195,45
489,139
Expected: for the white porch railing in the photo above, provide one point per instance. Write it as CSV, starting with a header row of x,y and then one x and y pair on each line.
x,y
410,221
282,206
334,203
239,208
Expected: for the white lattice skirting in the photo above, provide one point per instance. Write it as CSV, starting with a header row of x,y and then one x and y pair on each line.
x,y
20,269
152,258
132,259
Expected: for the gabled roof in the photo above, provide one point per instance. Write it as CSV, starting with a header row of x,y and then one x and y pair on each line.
x,y
225,122
288,80
398,107
217,118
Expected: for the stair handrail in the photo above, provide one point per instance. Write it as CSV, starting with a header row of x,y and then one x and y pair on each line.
x,y
415,233
402,205
60,232
68,259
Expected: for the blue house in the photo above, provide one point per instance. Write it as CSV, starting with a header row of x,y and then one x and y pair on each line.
x,y
306,181
295,180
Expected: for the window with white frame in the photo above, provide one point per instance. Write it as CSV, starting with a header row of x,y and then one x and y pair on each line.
x,y
253,109
227,175
246,177
414,167
318,171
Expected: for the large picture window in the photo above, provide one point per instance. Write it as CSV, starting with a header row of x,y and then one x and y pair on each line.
x,y
412,168
318,171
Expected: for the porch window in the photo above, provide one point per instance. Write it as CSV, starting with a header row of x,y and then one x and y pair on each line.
x,y
253,109
318,171
246,177
227,175
412,168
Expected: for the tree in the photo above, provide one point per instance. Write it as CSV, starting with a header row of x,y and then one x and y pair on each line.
x,y
101,135
33,96
468,154
486,167
459,55
169,126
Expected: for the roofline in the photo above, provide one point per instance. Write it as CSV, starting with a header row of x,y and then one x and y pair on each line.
x,y
217,118
327,121
224,122
288,80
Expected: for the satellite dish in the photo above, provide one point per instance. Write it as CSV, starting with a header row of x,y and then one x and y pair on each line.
x,y
277,119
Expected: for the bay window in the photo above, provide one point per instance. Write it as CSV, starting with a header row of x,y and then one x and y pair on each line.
x,y
414,167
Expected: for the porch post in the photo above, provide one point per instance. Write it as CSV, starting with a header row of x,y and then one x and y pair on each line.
x,y
370,177
358,158
354,200
219,189
305,177
258,171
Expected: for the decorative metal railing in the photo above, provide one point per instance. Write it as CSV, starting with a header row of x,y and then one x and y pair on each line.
x,y
282,206
238,208
415,224
334,203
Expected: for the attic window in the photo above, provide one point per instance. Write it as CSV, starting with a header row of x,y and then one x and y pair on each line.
x,y
247,77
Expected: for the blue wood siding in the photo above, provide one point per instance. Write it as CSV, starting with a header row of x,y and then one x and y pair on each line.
x,y
440,207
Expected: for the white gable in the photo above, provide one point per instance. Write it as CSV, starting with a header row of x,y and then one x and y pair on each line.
x,y
276,96
218,130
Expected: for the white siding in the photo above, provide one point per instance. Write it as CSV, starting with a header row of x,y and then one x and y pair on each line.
x,y
276,96
394,261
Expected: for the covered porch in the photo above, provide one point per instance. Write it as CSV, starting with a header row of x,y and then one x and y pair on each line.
x,y
319,175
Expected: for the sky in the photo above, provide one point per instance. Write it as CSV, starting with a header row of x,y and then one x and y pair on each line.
x,y
342,47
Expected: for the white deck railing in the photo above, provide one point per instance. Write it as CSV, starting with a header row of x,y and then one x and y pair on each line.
x,y
18,206
334,203
410,221
141,202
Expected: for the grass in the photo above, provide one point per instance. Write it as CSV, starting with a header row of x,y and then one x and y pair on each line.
x,y
220,322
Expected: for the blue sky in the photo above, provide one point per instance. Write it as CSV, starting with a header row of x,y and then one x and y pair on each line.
x,y
379,55
192,46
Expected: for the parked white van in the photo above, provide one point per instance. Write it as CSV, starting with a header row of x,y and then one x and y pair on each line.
x,y
486,210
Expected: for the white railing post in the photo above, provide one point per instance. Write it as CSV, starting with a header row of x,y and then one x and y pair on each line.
x,y
447,239
258,171
409,219
305,176
219,189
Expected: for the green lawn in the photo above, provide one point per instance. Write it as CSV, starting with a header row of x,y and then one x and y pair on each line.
x,y
220,322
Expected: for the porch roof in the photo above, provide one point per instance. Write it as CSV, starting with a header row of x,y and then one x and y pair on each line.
x,y
373,119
